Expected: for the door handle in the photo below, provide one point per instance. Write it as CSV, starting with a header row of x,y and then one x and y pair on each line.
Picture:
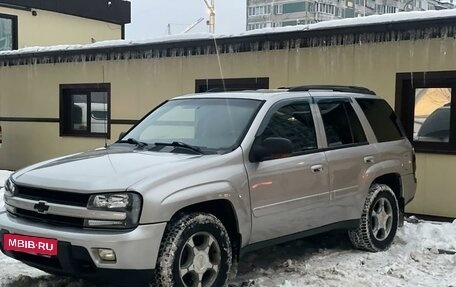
x,y
369,159
317,168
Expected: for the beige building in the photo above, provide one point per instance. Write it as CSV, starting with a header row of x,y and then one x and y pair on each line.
x,y
60,102
28,23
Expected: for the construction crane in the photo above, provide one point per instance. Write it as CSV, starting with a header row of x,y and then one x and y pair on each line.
x,y
211,22
191,26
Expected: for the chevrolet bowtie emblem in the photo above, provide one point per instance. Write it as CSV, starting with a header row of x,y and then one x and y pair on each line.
x,y
41,207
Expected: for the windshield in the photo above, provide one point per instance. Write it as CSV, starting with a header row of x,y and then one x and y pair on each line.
x,y
209,125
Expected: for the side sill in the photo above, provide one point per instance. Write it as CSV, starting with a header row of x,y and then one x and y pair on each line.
x,y
349,224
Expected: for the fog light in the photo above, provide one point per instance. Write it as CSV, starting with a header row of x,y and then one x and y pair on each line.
x,y
106,254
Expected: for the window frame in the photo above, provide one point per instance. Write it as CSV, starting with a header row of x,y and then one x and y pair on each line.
x,y
15,29
87,89
231,84
406,84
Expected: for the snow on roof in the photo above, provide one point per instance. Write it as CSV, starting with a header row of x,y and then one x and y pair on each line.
x,y
325,25
362,21
109,43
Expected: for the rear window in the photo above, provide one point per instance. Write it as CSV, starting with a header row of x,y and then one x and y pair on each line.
x,y
382,119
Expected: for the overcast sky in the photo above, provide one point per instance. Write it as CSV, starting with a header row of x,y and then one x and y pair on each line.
x,y
150,18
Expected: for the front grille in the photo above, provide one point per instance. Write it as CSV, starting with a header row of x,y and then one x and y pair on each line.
x,y
51,196
60,197
50,218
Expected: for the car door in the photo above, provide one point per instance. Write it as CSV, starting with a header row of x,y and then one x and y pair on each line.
x,y
349,156
288,193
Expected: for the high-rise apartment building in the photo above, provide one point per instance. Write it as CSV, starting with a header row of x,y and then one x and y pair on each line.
x,y
279,13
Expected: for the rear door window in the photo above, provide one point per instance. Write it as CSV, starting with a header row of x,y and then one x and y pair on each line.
x,y
342,126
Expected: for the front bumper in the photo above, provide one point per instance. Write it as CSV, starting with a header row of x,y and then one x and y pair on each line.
x,y
136,250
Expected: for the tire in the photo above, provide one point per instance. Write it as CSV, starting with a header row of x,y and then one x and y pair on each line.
x,y
379,220
195,249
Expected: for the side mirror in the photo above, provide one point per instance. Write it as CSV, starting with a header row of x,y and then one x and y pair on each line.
x,y
270,147
122,134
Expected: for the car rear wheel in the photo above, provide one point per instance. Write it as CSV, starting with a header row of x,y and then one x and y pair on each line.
x,y
195,252
379,220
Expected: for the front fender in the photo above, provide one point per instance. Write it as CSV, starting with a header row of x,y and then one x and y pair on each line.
x,y
166,208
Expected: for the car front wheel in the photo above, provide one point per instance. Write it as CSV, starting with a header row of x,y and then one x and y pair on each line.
x,y
195,252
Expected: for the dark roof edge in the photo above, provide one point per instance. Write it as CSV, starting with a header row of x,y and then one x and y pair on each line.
x,y
117,12
348,35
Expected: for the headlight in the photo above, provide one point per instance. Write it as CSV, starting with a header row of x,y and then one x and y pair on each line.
x,y
10,188
113,201
128,202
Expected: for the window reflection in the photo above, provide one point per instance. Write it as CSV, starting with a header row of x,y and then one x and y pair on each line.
x,y
432,115
84,109
293,122
6,34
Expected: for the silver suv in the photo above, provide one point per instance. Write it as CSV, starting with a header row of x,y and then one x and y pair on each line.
x,y
204,178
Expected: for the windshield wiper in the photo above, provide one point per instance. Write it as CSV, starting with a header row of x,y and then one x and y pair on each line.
x,y
182,145
135,142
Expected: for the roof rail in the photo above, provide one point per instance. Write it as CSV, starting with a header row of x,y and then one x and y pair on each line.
x,y
335,88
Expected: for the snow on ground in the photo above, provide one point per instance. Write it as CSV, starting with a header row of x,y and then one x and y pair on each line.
x,y
423,255
4,174
414,260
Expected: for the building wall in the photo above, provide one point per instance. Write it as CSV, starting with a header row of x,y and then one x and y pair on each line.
x,y
138,85
50,28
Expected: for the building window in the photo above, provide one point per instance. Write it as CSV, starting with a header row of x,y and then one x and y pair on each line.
x,y
293,7
326,8
8,32
85,110
391,9
278,9
259,25
259,10
383,9
219,85
426,104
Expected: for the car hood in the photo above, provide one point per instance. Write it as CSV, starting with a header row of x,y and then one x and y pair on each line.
x,y
106,169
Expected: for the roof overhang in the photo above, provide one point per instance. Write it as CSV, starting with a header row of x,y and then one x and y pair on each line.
x,y
395,28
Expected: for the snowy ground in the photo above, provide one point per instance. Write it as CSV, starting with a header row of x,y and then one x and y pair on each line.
x,y
423,255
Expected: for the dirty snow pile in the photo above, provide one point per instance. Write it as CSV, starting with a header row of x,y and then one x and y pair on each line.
x,y
423,255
